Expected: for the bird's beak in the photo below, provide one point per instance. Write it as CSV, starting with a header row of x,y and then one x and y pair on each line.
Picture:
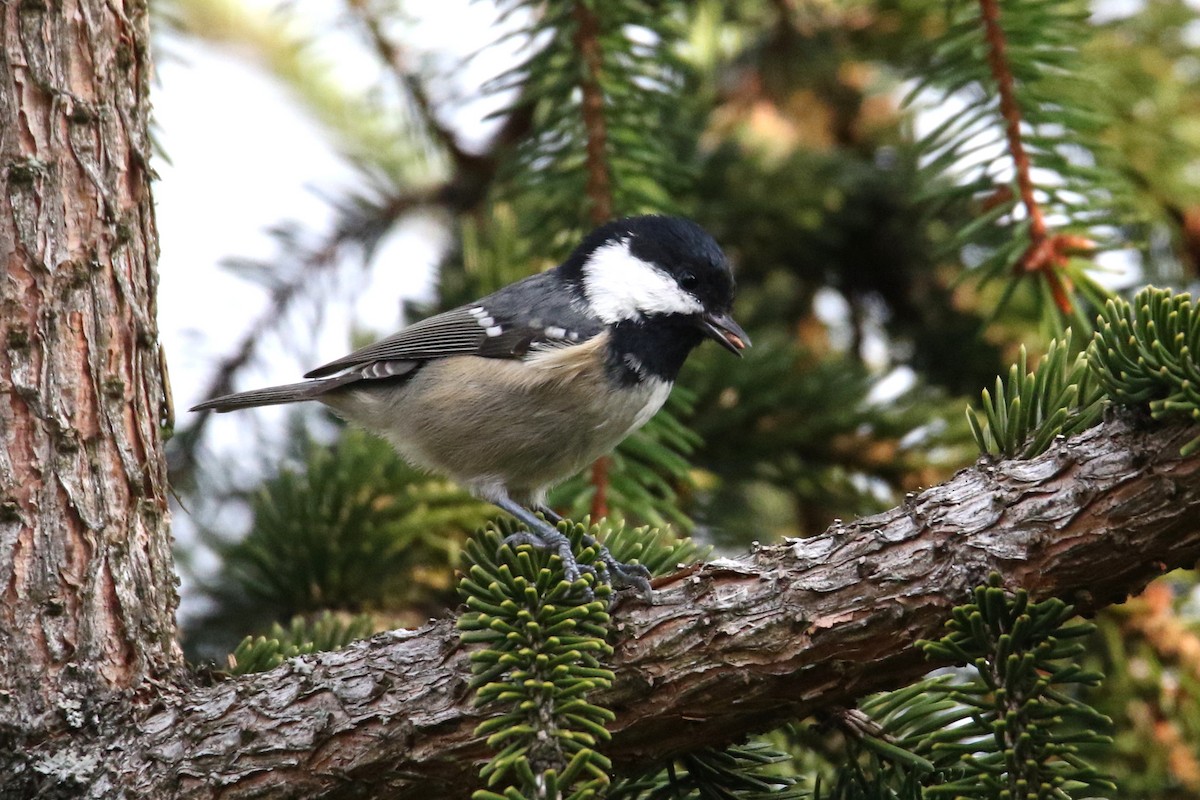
x,y
724,331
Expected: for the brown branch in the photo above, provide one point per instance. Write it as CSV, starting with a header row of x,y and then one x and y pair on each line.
x,y
1011,111
725,649
599,480
599,180
1046,253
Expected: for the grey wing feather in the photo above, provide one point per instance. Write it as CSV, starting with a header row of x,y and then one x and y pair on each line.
x,y
469,330
505,324
450,333
502,325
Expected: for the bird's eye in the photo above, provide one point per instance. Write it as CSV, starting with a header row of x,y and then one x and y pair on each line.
x,y
689,281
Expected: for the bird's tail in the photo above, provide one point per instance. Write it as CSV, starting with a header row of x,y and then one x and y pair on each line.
x,y
271,396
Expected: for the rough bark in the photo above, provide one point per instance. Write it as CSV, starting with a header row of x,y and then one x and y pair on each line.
x,y
729,648
87,591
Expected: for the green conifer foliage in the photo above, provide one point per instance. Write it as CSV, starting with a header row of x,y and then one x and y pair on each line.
x,y
741,772
1013,67
541,655
605,82
1059,397
350,528
1024,724
1009,724
303,635
1142,355
1147,352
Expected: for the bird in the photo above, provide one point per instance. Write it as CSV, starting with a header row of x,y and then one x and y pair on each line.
x,y
523,388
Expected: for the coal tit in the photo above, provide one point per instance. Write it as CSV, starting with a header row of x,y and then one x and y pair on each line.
x,y
521,389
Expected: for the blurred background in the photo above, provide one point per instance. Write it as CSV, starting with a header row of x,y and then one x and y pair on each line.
x,y
904,211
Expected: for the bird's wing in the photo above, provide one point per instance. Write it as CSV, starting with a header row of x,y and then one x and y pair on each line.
x,y
494,327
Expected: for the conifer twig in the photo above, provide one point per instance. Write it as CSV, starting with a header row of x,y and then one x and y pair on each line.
x,y
1046,253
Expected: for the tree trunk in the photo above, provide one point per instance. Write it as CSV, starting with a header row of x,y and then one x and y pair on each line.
x,y
725,649
85,561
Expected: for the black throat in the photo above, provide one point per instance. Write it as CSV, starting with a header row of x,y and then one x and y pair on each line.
x,y
651,348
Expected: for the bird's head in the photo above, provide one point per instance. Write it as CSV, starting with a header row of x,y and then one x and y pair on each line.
x,y
648,268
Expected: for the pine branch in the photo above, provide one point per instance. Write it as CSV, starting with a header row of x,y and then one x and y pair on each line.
x,y
599,481
605,82
1147,352
1046,253
542,657
741,772
303,635
1017,720
353,528
1029,99
726,649
1057,398
1142,353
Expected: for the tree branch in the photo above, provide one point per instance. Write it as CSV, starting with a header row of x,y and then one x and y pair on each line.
x,y
727,648
1045,254
599,179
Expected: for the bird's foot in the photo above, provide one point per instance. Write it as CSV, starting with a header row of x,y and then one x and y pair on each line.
x,y
560,545
620,574
547,537
634,576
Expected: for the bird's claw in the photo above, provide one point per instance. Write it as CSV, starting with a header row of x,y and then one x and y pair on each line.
x,y
635,576
622,575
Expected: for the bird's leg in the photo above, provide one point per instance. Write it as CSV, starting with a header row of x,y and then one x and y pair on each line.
x,y
634,575
544,536
549,513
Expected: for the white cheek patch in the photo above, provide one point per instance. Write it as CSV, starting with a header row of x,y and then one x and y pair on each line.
x,y
619,285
